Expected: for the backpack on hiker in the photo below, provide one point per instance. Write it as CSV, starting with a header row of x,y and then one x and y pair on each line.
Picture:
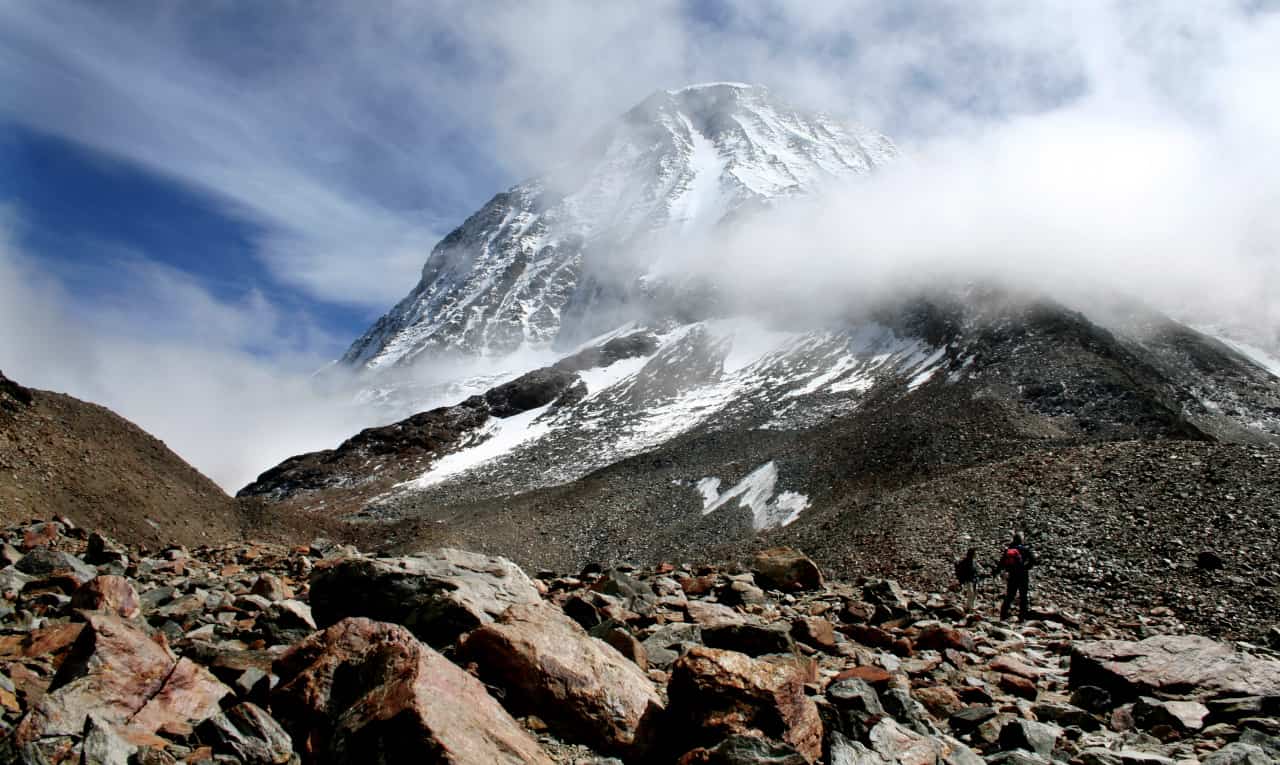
x,y
1011,560
1017,559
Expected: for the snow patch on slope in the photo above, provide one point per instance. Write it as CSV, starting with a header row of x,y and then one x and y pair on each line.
x,y
498,437
756,492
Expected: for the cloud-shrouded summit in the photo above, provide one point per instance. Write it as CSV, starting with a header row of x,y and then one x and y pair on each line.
x,y
552,251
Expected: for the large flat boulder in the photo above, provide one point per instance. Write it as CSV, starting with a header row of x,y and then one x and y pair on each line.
x,y
1185,665
583,688
438,595
364,691
714,694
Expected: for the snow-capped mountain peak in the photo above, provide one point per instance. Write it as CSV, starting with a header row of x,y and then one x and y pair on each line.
x,y
545,260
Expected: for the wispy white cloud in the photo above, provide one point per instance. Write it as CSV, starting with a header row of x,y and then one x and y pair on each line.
x,y
228,385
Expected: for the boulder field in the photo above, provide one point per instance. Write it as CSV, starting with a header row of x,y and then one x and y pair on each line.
x,y
264,654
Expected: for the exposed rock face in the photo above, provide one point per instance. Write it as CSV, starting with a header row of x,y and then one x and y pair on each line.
x,y
116,671
529,391
1177,664
549,666
545,259
404,447
362,691
438,595
715,693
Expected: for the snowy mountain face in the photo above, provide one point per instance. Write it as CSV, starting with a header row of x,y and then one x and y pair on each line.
x,y
557,260
730,424
617,414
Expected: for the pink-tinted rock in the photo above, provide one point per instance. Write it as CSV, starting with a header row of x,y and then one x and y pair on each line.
x,y
1010,665
814,631
110,593
584,689
116,671
41,535
271,587
714,694
364,691
52,639
937,637
1018,686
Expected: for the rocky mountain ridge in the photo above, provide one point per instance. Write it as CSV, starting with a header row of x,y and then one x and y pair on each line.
x,y
560,258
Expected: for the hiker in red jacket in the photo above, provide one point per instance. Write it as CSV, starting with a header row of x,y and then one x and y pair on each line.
x,y
1016,563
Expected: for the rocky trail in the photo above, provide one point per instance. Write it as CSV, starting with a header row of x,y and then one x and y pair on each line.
x,y
267,653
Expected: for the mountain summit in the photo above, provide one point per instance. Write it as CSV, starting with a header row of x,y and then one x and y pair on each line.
x,y
541,260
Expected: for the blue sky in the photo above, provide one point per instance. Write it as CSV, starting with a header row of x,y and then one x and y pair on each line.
x,y
202,203
314,158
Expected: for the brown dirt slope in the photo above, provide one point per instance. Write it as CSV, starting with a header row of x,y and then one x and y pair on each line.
x,y
63,456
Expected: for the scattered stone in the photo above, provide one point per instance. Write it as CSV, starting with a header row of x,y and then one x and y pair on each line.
x,y
1208,560
287,621
102,550
937,637
1037,737
1065,715
782,568
941,701
745,750
626,644
1101,756
1182,716
1092,698
1239,753
271,587
816,632
102,745
44,562
251,734
1019,686
887,598
41,535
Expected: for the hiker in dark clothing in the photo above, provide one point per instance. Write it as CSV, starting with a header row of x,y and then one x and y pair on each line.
x,y
1016,563
967,575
